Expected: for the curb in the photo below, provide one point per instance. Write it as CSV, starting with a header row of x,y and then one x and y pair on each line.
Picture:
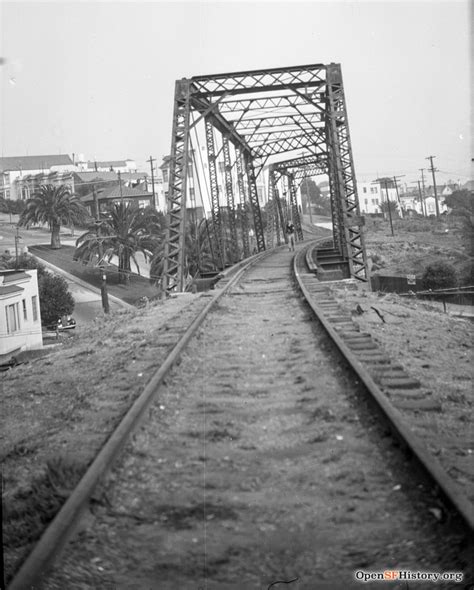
x,y
82,283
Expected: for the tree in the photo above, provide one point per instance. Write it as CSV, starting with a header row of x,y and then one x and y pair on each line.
x,y
386,206
56,206
200,256
439,275
25,262
55,298
461,202
129,230
311,195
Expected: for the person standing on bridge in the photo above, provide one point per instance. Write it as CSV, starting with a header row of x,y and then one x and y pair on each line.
x,y
290,232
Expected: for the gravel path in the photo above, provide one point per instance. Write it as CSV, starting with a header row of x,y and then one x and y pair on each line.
x,y
260,462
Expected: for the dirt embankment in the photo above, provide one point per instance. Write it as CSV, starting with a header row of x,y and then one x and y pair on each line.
x,y
417,243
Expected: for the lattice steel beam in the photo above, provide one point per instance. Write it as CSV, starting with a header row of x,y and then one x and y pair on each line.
x,y
243,200
174,255
254,204
264,114
230,200
344,175
214,188
295,213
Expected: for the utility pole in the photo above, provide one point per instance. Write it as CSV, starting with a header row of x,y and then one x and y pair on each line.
x,y
385,181
103,290
423,208
151,160
120,186
17,239
102,265
308,200
96,202
398,196
430,158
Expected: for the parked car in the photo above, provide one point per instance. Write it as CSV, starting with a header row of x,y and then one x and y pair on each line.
x,y
64,323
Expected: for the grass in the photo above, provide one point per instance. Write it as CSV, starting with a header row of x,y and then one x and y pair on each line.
x,y
28,510
63,258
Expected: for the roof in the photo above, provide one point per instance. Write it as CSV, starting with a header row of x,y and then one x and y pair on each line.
x,y
90,176
114,192
93,175
469,185
34,162
10,289
11,275
108,164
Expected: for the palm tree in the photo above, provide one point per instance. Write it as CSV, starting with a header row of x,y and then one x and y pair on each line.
x,y
199,252
56,206
129,230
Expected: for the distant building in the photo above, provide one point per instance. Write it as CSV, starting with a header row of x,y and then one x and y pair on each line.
x,y
110,166
85,182
411,202
20,175
373,194
20,317
198,192
101,200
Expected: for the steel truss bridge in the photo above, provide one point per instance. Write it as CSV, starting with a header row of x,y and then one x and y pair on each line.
x,y
290,121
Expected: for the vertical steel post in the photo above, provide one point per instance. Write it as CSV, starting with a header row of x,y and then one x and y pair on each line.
x,y
243,209
216,210
230,200
344,175
174,256
295,214
255,206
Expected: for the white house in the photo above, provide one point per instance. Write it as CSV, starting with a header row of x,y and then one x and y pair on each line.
x,y
372,195
430,204
411,202
20,317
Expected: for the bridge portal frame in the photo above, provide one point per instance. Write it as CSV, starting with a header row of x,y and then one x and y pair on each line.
x,y
264,114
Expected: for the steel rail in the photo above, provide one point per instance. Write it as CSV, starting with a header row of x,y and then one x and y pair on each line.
x,y
429,463
62,527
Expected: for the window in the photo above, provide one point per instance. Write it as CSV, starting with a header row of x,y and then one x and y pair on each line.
x,y
366,201
13,319
165,176
25,315
373,189
191,193
364,189
34,305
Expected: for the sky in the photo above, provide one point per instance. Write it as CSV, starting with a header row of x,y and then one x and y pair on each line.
x,y
97,78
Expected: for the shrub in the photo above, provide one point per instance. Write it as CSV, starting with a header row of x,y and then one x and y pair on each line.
x,y
439,275
12,206
55,299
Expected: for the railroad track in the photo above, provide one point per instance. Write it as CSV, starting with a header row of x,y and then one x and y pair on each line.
x,y
400,397
258,454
